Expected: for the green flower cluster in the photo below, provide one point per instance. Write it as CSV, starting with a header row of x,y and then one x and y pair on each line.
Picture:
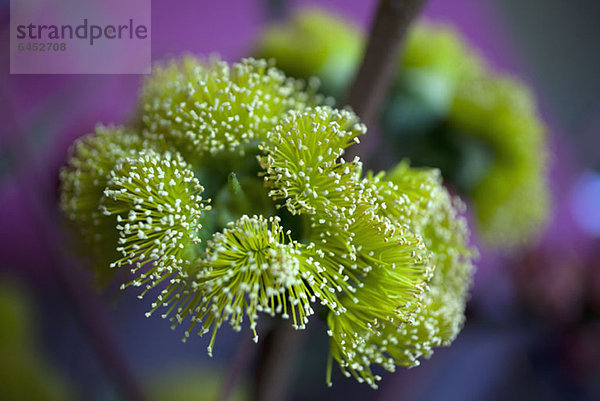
x,y
229,198
446,109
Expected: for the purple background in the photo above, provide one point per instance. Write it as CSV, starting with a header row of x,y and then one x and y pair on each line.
x,y
525,337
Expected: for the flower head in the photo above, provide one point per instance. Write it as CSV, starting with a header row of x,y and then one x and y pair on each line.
x,y
206,107
157,203
416,198
391,294
251,266
83,180
303,160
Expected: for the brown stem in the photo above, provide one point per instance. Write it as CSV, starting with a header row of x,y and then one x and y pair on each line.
x,y
276,359
276,9
95,322
376,71
239,362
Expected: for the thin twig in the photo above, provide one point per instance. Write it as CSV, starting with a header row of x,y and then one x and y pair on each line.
x,y
95,321
276,10
277,355
372,81
243,354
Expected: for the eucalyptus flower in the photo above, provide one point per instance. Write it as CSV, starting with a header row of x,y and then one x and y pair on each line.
x,y
83,180
437,216
205,107
303,160
157,203
391,294
416,201
251,266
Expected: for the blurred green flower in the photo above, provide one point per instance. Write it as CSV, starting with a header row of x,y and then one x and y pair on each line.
x,y
481,129
512,200
314,44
